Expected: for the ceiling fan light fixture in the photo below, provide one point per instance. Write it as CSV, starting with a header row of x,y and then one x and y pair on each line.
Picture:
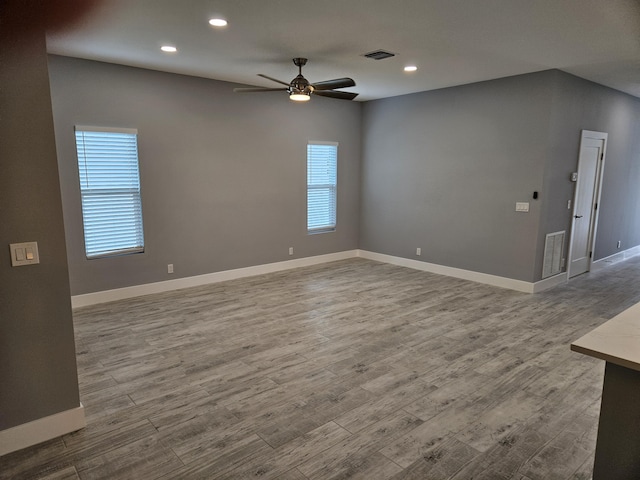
x,y
299,97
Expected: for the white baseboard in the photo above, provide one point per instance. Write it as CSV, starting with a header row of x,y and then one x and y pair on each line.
x,y
41,430
494,280
598,265
550,282
198,280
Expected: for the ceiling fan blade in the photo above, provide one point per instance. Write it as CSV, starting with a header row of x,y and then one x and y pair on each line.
x,y
258,89
333,84
273,79
334,94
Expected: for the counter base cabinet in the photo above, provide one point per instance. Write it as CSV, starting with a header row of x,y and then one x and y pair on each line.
x,y
618,444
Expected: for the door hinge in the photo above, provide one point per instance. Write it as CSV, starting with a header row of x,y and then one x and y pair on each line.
x,y
590,254
596,207
602,156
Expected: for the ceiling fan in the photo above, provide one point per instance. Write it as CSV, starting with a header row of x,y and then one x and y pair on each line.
x,y
300,89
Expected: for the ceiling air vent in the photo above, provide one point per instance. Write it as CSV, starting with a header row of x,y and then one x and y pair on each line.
x,y
379,54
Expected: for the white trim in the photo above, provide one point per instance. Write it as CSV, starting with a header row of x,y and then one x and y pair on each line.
x,y
41,430
496,281
602,263
95,298
195,281
550,282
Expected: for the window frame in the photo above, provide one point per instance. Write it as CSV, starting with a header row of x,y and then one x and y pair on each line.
x,y
131,195
332,186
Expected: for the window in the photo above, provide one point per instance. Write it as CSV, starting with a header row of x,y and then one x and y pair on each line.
x,y
322,174
110,191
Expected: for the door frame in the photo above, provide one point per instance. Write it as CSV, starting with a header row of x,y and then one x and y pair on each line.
x,y
593,227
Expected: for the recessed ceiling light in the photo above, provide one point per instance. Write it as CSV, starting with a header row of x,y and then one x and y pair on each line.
x,y
410,68
218,22
168,48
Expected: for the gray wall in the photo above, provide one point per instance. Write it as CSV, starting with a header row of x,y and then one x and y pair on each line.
x,y
222,175
582,105
442,170
37,352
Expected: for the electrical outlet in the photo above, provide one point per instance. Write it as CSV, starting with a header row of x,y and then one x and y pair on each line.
x,y
170,268
290,250
619,243
418,251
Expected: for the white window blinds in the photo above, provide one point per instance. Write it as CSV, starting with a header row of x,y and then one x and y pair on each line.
x,y
322,175
110,191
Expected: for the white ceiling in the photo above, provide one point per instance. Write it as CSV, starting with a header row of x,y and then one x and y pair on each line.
x,y
452,42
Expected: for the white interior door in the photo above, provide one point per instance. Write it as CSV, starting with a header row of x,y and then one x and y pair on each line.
x,y
585,204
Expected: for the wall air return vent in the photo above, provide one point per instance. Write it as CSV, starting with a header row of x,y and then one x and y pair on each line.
x,y
553,248
379,54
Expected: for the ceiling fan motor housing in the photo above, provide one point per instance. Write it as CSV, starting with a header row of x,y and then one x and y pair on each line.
x,y
301,85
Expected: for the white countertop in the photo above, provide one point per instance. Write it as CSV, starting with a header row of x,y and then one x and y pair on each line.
x,y
616,341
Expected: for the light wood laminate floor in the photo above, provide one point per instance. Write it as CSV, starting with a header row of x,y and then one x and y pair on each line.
x,y
353,369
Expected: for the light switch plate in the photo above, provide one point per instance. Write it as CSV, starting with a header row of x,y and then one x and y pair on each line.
x,y
522,206
24,254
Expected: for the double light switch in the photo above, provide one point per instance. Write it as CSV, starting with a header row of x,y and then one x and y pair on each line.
x,y
24,254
